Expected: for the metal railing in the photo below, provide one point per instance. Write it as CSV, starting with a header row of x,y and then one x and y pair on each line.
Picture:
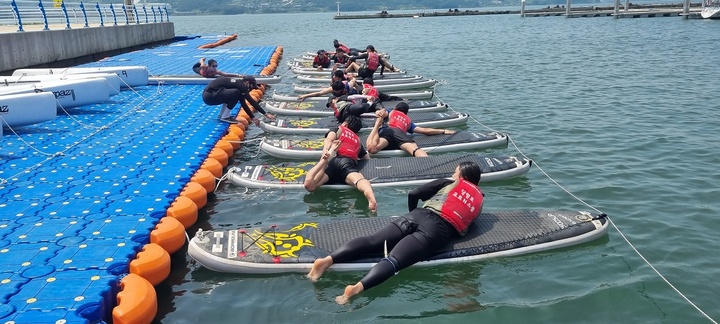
x,y
59,12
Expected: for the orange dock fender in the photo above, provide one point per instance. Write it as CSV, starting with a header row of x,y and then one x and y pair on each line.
x,y
220,156
226,146
152,263
168,233
196,192
204,178
184,210
136,302
213,166
233,140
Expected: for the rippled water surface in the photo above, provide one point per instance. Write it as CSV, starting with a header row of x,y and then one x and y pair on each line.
x,y
622,113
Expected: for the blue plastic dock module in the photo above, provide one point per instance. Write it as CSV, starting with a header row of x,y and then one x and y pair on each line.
x,y
80,194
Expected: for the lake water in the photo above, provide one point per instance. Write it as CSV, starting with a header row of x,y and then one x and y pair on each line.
x,y
619,115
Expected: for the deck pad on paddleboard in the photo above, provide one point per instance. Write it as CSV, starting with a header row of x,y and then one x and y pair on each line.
x,y
320,125
278,249
385,172
309,148
318,108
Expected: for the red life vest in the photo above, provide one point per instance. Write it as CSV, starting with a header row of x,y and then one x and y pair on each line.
x,y
399,120
349,143
462,205
373,92
321,60
373,61
344,48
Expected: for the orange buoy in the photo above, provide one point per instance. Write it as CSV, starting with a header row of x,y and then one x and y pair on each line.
x,y
196,192
244,122
204,178
233,127
169,233
184,210
213,166
233,140
220,155
226,146
244,115
152,263
136,301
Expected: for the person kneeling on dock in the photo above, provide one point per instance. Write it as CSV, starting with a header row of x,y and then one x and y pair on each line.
x,y
451,205
338,164
395,135
228,91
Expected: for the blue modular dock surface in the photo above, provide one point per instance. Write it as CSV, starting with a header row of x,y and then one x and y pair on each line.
x,y
80,194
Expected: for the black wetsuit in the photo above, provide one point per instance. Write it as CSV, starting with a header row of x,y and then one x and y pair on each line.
x,y
355,109
410,238
229,91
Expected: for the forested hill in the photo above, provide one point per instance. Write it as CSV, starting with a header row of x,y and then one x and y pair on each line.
x,y
277,6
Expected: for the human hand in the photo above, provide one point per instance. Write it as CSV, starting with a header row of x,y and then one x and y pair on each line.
x,y
256,121
269,116
372,205
382,113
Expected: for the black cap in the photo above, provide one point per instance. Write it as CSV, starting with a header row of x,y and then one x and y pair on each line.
x,y
370,47
251,81
320,52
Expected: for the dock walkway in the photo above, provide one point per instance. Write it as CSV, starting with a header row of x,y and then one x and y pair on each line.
x,y
80,195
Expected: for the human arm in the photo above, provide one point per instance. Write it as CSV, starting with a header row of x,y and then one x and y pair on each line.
x,y
425,192
258,108
357,57
315,94
330,137
432,131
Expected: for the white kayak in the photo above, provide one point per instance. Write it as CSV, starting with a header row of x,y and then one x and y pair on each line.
x,y
113,79
27,108
68,93
132,76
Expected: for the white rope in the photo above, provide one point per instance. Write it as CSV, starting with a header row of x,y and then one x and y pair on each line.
x,y
62,152
73,118
537,165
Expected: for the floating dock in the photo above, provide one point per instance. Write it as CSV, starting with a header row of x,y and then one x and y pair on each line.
x,y
633,11
93,203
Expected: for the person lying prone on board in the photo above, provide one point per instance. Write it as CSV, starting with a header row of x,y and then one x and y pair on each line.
x,y
451,205
395,135
338,164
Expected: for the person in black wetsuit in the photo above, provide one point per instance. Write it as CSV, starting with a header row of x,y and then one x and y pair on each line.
x,y
228,91
451,205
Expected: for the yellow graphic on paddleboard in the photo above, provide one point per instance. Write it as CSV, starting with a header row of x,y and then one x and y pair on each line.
x,y
305,123
310,144
284,244
288,173
301,105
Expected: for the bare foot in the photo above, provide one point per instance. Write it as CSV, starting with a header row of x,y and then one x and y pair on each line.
x,y
319,267
350,291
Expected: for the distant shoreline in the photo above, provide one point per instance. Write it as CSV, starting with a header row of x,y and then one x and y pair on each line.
x,y
456,12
